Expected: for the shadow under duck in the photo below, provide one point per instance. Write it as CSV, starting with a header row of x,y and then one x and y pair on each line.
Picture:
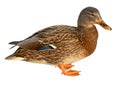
x,y
61,45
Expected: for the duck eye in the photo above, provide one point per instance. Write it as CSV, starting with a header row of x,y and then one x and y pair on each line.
x,y
92,14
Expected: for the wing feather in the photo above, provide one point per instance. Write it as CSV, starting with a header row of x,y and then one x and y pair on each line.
x,y
45,37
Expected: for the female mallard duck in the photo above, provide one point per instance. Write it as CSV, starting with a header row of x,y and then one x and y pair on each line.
x,y
62,45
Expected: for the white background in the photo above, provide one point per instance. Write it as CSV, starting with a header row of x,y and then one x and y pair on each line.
x,y
21,18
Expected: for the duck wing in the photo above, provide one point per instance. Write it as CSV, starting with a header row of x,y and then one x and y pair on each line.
x,y
47,37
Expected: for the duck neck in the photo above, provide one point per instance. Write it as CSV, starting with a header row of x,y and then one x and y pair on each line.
x,y
88,37
85,23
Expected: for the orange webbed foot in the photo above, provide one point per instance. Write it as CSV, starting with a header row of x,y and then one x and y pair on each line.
x,y
66,70
67,66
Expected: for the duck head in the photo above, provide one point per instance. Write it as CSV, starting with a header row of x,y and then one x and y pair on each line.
x,y
90,16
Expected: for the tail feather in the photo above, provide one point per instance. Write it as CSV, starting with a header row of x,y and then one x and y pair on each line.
x,y
12,57
14,43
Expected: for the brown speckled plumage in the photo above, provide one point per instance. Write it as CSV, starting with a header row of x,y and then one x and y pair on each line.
x,y
71,43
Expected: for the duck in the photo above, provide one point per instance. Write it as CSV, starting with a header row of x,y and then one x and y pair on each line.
x,y
62,45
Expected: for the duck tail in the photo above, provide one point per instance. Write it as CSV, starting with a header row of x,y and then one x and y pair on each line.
x,y
14,43
12,57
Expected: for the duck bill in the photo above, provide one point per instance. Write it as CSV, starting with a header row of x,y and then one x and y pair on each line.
x,y
104,25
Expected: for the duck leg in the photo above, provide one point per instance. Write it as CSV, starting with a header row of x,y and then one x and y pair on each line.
x,y
66,70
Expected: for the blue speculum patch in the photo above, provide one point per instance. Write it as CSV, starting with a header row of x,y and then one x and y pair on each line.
x,y
46,48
